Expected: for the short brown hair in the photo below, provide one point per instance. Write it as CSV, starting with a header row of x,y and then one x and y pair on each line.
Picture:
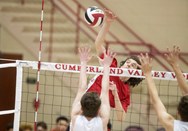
x,y
42,124
90,103
135,128
26,127
183,108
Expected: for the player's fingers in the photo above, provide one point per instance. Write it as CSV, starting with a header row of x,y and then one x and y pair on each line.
x,y
140,58
150,60
104,50
79,50
88,49
177,50
139,66
168,50
108,51
166,56
114,54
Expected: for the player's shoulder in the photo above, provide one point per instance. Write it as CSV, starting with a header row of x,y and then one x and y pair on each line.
x,y
74,119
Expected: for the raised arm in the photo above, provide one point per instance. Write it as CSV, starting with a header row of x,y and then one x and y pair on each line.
x,y
119,109
165,119
105,106
172,58
84,58
109,17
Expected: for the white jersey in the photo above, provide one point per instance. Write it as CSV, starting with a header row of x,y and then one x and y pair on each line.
x,y
180,125
82,124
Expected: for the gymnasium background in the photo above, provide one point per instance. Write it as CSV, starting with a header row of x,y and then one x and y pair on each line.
x,y
142,26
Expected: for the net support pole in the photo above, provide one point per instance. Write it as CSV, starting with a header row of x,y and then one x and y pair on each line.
x,y
18,96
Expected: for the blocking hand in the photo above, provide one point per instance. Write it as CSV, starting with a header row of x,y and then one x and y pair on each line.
x,y
172,56
84,54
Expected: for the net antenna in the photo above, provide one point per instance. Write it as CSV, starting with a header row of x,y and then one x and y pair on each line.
x,y
39,67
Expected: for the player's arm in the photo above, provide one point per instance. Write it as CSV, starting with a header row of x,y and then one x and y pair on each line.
x,y
165,119
84,58
109,17
105,106
172,58
119,109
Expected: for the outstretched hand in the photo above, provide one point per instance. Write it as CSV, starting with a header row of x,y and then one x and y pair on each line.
x,y
84,54
146,65
109,16
172,56
108,57
112,87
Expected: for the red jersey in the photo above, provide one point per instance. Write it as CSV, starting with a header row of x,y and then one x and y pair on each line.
x,y
123,89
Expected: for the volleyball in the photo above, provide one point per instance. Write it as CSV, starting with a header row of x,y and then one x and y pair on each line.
x,y
94,16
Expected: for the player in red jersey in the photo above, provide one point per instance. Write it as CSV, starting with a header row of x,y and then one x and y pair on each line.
x,y
119,93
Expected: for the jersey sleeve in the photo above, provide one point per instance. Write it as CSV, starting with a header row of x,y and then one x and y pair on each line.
x,y
114,62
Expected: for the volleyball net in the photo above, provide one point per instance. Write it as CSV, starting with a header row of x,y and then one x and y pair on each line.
x,y
58,87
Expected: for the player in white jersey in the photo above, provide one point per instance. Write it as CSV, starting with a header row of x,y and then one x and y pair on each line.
x,y
167,121
89,111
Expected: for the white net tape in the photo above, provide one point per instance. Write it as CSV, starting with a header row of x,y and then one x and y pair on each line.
x,y
75,68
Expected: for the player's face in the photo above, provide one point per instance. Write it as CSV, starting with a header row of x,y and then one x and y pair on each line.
x,y
130,64
39,128
62,125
